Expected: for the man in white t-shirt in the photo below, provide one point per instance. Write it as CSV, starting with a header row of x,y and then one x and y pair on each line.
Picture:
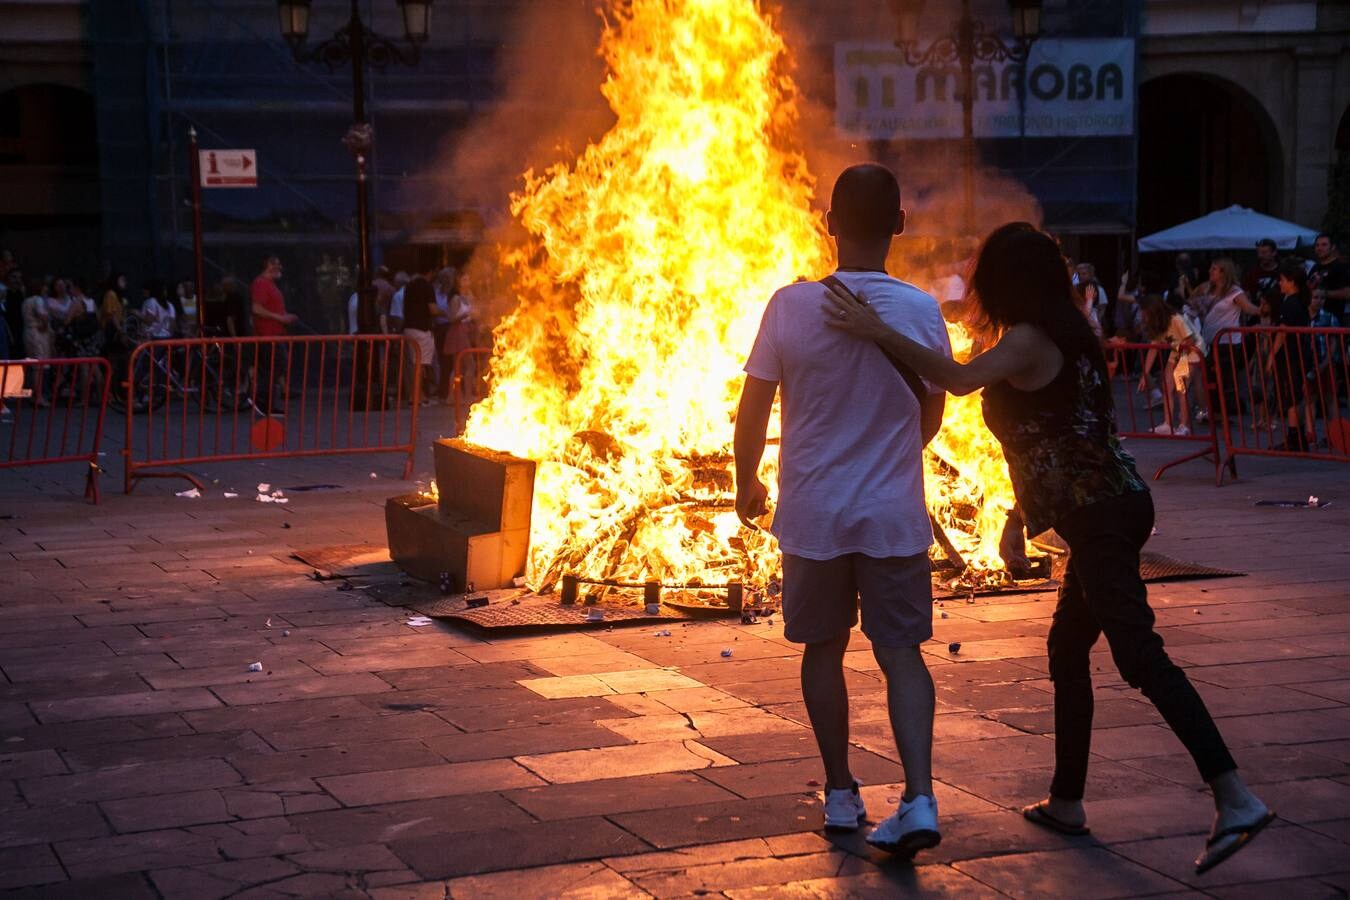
x,y
851,520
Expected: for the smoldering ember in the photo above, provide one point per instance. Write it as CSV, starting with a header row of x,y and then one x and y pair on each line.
x,y
734,448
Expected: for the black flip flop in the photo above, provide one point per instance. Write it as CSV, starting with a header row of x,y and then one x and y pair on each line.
x,y
1037,814
1209,860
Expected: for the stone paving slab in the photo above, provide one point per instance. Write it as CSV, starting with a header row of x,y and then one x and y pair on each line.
x,y
368,758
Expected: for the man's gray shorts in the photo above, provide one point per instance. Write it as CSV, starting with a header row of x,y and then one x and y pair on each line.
x,y
821,598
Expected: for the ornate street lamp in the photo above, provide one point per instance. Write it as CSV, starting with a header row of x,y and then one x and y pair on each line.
x,y
357,44
964,44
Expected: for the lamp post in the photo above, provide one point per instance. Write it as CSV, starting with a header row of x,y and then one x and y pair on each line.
x,y
964,44
357,44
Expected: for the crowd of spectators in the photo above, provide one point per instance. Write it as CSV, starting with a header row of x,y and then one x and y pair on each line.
x,y
1284,383
434,309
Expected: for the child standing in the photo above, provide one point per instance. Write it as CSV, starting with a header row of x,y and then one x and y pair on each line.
x,y
1163,324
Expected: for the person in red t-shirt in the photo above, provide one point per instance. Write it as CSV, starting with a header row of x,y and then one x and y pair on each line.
x,y
269,306
269,321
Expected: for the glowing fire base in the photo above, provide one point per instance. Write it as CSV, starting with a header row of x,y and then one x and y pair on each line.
x,y
478,531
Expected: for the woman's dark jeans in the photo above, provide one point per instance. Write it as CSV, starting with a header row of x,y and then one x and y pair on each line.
x,y
1103,594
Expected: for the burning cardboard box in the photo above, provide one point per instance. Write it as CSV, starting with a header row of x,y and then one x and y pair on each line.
x,y
477,529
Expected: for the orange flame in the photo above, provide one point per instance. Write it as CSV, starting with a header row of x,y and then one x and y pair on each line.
x,y
645,270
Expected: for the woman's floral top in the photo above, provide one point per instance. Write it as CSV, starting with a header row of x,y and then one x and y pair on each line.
x,y
1061,444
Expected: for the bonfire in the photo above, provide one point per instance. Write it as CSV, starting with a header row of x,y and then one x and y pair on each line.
x,y
647,264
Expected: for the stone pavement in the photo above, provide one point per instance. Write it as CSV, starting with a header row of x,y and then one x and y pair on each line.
x,y
141,757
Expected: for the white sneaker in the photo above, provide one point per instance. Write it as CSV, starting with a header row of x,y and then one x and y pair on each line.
x,y
913,827
844,809
1164,428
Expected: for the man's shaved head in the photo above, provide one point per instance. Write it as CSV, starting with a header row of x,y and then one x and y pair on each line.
x,y
865,204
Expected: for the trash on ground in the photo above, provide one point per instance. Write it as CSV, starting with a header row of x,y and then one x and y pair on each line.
x,y
272,498
373,475
944,614
255,667
476,602
264,488
230,495
595,614
749,619
662,633
1310,503
418,621
954,647
726,654
268,623
812,783
190,493
286,632
285,524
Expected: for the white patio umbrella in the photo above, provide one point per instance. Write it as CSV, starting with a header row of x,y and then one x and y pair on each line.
x,y
1236,227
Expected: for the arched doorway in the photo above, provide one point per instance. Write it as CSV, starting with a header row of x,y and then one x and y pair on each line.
x,y
49,179
1337,221
1204,144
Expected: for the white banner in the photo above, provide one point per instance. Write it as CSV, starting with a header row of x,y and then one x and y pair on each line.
x,y
1073,88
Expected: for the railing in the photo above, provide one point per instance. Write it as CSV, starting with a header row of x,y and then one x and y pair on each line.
x,y
1165,397
1280,391
219,399
468,385
51,411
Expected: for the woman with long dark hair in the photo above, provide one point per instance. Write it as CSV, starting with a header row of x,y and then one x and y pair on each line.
x,y
1048,401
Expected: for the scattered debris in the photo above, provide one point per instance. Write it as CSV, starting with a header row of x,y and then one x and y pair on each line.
x,y
373,475
1311,503
726,654
230,495
812,783
268,623
285,524
944,614
255,667
418,621
475,602
264,488
595,614
286,632
662,633
954,647
749,619
190,493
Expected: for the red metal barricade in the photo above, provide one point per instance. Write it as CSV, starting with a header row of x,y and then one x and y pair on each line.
x,y
220,399
469,384
53,412
1153,403
1281,391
